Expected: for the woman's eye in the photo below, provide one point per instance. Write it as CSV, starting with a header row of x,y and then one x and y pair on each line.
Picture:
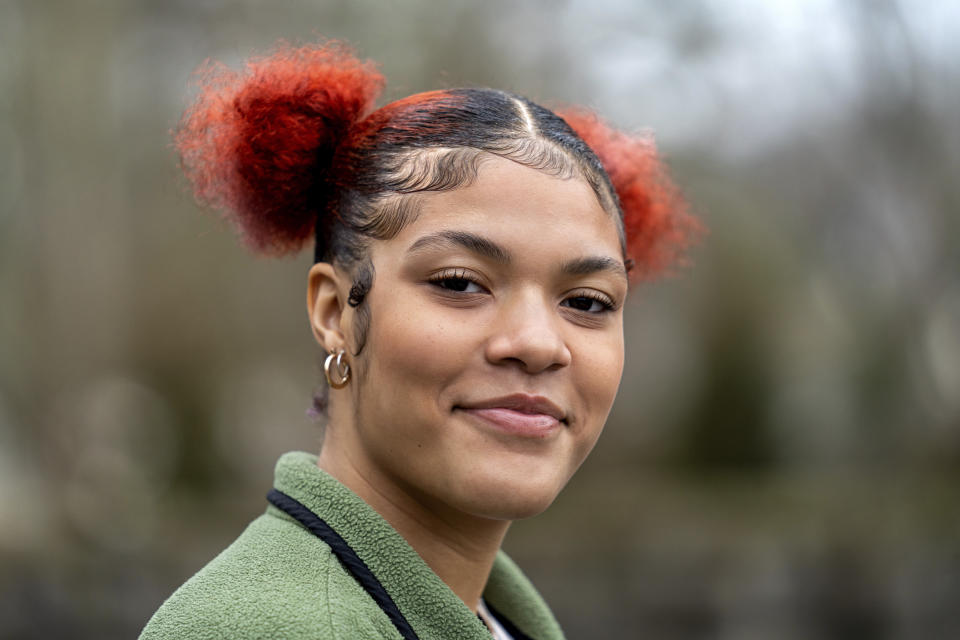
x,y
456,281
588,304
459,284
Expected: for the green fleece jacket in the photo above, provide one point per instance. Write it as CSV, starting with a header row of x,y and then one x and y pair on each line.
x,y
280,580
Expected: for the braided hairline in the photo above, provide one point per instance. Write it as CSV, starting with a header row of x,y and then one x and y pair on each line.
x,y
423,170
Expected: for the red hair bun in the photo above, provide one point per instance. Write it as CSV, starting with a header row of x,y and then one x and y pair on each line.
x,y
257,144
656,221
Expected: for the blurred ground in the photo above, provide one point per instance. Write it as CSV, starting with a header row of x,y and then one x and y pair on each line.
x,y
783,458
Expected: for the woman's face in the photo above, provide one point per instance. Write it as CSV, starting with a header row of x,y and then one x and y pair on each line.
x,y
495,345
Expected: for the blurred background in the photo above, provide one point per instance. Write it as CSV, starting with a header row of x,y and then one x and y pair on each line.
x,y
784,456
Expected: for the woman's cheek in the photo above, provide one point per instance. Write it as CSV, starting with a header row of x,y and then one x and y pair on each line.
x,y
600,375
418,347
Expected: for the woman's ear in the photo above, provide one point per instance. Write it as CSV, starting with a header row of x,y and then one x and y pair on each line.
x,y
325,306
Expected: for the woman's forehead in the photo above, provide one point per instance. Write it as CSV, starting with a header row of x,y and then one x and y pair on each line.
x,y
511,209
514,196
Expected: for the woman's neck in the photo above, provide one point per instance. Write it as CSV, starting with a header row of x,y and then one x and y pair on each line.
x,y
458,547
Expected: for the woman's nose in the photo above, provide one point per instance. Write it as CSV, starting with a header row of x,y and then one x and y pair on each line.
x,y
528,332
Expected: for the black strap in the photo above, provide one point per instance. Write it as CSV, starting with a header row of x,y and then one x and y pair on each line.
x,y
510,628
347,557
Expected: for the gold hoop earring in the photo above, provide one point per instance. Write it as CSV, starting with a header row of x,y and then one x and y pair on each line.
x,y
337,379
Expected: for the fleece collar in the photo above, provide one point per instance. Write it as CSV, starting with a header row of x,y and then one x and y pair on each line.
x,y
425,601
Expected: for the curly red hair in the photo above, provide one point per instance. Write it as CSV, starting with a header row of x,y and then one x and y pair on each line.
x,y
656,220
257,142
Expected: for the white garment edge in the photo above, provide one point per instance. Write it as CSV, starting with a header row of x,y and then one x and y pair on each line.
x,y
496,629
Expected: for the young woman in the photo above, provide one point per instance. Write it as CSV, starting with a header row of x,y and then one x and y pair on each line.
x,y
473,255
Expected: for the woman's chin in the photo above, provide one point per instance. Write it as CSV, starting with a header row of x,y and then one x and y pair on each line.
x,y
501,499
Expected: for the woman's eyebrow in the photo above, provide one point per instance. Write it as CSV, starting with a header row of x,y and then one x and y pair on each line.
x,y
470,241
594,264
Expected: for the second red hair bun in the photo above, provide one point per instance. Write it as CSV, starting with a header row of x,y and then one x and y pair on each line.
x,y
656,222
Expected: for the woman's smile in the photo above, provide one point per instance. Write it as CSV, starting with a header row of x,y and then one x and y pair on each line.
x,y
517,423
519,414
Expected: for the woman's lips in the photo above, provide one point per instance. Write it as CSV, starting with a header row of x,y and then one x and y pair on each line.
x,y
519,414
531,425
